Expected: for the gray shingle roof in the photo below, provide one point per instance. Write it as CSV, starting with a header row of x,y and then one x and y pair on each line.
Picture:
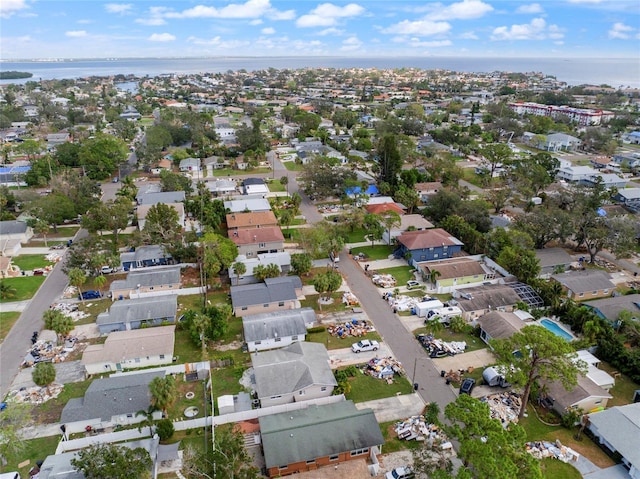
x,y
111,396
500,325
272,290
161,197
610,308
290,369
488,296
620,426
143,253
129,310
12,227
585,281
317,431
142,277
259,327
553,257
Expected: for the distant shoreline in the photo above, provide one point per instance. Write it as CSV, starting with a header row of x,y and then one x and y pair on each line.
x,y
14,75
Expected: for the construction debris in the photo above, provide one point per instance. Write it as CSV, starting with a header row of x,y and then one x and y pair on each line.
x,y
384,280
504,406
70,310
540,449
349,299
53,257
417,428
438,348
384,368
47,351
354,328
36,394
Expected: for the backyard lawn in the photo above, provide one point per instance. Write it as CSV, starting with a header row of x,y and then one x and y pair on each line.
x,y
293,166
402,274
381,251
624,389
554,469
29,262
275,186
34,450
367,388
311,301
7,320
25,287
334,342
358,235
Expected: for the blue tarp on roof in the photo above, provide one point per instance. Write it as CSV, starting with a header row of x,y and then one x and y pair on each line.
x,y
601,212
356,190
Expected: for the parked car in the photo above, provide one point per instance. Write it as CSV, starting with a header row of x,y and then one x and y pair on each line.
x,y
467,386
90,294
365,345
402,472
38,272
412,284
107,270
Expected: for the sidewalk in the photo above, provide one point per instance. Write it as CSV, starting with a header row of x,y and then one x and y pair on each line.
x,y
14,306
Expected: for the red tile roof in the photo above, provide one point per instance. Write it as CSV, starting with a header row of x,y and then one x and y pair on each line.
x,y
382,208
256,235
428,239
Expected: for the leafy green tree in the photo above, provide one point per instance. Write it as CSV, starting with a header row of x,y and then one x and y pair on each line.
x,y
170,181
44,374
148,420
162,224
373,226
543,356
239,269
496,154
389,160
219,316
219,253
7,291
522,263
389,220
101,155
41,227
322,177
407,196
327,282
199,323
301,263
164,392
12,442
110,461
77,278
262,272
488,449
285,219
128,189
165,429
53,209
58,322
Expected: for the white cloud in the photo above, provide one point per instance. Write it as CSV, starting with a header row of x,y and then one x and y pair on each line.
x,y
219,43
281,15
327,15
532,8
268,31
120,8
620,31
465,10
350,44
586,1
162,37
469,36
76,33
330,31
250,9
154,17
420,27
535,30
255,22
9,7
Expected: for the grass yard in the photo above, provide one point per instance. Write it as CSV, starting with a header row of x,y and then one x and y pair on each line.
x,y
232,172
185,349
93,307
334,342
402,274
538,431
624,389
34,450
474,343
554,469
293,166
311,301
391,441
29,262
291,235
367,388
275,186
25,287
7,320
358,235
176,411
49,412
64,232
381,251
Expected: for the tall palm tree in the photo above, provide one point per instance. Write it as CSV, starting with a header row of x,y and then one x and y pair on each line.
x,y
163,393
148,419
7,291
99,281
239,268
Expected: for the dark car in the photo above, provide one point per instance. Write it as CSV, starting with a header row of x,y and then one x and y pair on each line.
x,y
467,386
91,294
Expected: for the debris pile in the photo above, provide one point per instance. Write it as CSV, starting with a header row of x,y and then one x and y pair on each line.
x,y
46,351
504,406
384,368
349,299
70,310
354,328
540,449
438,348
416,427
36,394
384,280
53,257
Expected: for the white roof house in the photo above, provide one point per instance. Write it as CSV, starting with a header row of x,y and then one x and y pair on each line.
x,y
576,173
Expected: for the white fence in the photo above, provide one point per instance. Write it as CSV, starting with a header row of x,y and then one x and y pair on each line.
x,y
83,442
173,369
133,294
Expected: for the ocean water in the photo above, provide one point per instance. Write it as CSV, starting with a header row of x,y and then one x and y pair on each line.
x,y
616,72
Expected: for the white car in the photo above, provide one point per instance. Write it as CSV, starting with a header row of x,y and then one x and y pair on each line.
x,y
403,472
412,284
365,345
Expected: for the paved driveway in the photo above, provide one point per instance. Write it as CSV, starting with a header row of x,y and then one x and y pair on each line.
x,y
346,357
66,372
474,359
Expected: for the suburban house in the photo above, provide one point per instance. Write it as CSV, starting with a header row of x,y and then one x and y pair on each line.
x,y
317,436
143,210
145,256
130,113
501,325
610,308
557,142
109,402
414,222
155,197
12,231
247,204
55,139
553,260
585,284
190,164
450,273
479,300
140,348
277,329
586,395
254,186
273,295
597,375
163,165
282,260
146,281
295,373
427,190
427,245
259,219
133,313
383,208
628,196
251,242
607,180
618,429
221,187
573,174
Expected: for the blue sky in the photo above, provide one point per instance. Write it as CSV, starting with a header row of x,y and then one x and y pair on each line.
x,y
376,28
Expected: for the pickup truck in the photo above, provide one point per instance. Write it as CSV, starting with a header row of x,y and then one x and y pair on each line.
x,y
365,345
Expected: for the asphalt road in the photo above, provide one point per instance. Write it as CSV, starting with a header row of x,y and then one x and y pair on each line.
x,y
405,348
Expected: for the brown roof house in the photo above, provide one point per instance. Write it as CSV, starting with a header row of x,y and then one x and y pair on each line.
x,y
585,284
479,300
258,219
451,273
427,245
586,395
501,325
251,242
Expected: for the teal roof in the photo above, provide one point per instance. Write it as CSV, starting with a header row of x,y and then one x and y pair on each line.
x,y
317,431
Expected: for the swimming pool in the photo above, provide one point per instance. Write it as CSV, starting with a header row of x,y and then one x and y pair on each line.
x,y
555,329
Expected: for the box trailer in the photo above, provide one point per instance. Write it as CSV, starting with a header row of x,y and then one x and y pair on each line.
x,y
423,308
494,377
443,314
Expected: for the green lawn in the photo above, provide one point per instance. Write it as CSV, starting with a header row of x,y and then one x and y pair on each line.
x,y
25,287
7,320
291,235
474,343
29,262
381,251
92,307
356,236
293,166
367,388
554,469
185,349
624,389
334,342
49,412
232,172
275,186
34,450
311,301
391,441
402,274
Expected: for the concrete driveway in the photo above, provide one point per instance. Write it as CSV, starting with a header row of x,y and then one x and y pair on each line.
x,y
66,372
475,359
346,357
